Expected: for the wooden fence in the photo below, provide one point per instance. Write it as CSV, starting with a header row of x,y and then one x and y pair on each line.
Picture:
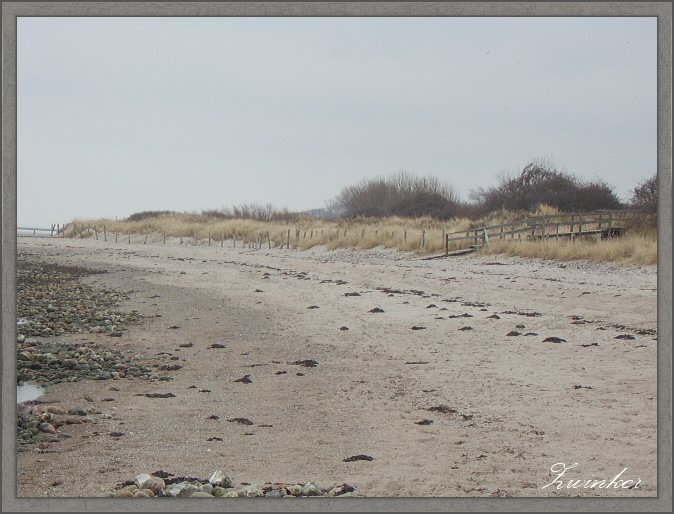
x,y
56,230
601,224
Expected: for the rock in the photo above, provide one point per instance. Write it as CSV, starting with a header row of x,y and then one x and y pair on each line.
x,y
206,488
149,492
252,491
274,493
141,494
310,489
229,494
47,428
294,490
200,494
181,489
154,484
219,479
123,494
142,480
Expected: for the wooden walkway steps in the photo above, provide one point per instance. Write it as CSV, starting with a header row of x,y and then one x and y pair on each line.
x,y
601,224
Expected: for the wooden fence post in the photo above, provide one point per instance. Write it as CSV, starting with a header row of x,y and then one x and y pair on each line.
x,y
209,239
164,235
423,238
145,242
222,241
129,237
96,232
288,239
105,234
446,244
115,237
268,240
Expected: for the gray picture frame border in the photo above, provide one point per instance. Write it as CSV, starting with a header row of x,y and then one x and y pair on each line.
x,y
12,10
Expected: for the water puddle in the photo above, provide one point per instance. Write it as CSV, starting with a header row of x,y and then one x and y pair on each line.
x,y
28,392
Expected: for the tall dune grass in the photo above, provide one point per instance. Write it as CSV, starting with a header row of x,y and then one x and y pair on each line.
x,y
418,235
421,235
627,249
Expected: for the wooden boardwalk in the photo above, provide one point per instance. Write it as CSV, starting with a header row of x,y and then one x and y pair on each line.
x,y
601,224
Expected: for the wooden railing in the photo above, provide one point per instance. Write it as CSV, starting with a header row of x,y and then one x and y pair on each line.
x,y
571,225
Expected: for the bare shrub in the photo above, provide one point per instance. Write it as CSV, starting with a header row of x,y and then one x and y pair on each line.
x,y
645,195
402,194
140,216
541,183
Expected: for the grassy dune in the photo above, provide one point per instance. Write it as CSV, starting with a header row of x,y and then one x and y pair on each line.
x,y
628,249
419,235
423,235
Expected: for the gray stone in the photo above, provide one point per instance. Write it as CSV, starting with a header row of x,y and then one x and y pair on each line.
x,y
155,484
310,489
200,494
220,479
181,489
294,490
141,480
252,491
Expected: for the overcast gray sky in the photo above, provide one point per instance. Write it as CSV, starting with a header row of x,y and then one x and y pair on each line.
x,y
118,115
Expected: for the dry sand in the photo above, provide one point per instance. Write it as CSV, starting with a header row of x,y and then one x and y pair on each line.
x,y
518,411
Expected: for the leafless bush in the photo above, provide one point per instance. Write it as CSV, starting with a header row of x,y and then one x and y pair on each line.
x,y
139,216
402,194
541,183
645,195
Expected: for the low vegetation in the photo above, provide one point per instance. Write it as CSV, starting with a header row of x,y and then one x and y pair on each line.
x,y
627,249
410,213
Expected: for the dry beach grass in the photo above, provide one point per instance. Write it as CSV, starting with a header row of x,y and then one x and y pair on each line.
x,y
423,236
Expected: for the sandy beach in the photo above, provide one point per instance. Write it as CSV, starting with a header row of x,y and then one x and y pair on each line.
x,y
508,407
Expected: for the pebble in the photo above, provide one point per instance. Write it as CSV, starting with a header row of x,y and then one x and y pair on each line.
x,y
252,491
219,479
147,486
